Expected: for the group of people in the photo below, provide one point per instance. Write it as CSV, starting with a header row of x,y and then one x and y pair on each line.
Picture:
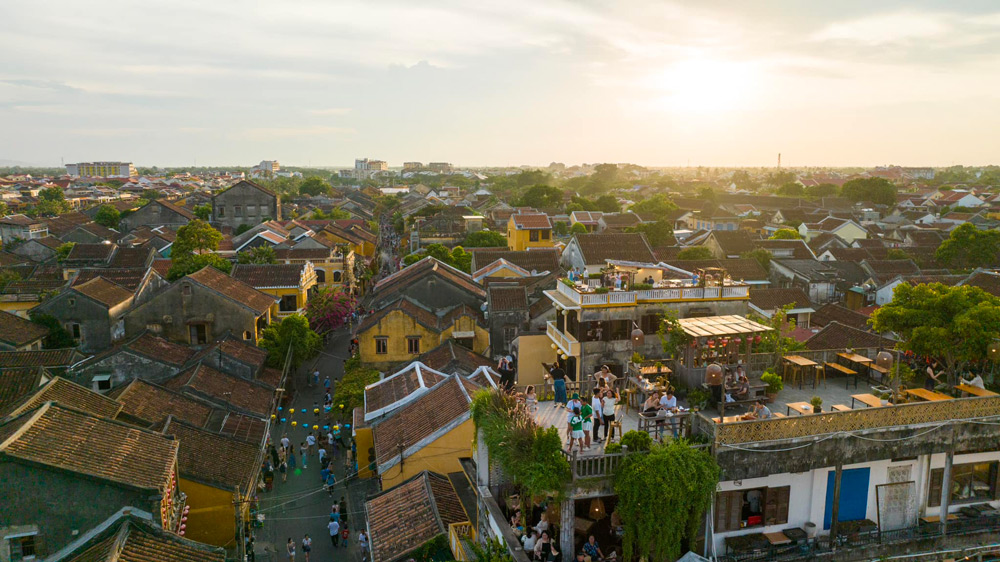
x,y
737,385
539,541
584,419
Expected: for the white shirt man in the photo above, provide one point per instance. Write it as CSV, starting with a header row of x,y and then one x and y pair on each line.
x,y
976,381
668,402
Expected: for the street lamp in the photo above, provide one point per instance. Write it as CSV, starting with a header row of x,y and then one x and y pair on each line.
x,y
884,359
637,336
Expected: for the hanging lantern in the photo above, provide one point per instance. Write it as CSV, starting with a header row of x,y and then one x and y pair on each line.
x,y
294,423
273,416
184,519
347,426
597,511
336,428
182,533
756,339
326,427
183,526
282,420
303,410
315,428
341,406
187,508
637,337
552,345
280,408
738,341
315,410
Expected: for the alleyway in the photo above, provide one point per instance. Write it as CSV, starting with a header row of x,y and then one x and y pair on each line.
x,y
300,505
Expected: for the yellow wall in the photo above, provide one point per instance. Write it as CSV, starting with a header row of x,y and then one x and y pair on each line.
x,y
532,351
519,240
397,326
440,455
365,440
18,307
301,297
212,518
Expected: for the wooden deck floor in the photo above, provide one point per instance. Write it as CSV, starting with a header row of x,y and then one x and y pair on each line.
x,y
550,416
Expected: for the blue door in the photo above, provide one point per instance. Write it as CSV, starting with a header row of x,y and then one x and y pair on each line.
x,y
853,495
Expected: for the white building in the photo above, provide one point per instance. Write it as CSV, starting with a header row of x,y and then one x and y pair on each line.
x,y
101,170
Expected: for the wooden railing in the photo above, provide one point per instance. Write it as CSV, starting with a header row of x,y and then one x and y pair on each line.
x,y
567,343
457,532
652,295
593,466
856,420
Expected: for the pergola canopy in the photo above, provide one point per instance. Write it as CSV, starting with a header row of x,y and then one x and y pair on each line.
x,y
714,326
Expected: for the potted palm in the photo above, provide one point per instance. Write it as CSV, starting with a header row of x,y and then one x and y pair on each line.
x,y
817,404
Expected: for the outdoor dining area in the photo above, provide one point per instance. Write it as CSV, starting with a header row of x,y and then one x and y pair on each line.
x,y
618,275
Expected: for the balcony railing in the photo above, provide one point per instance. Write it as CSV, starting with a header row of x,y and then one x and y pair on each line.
x,y
612,297
567,343
456,533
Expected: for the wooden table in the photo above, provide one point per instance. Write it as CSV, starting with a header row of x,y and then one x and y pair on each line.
x,y
728,419
653,370
803,408
797,362
929,395
845,371
937,518
778,538
880,370
975,390
869,399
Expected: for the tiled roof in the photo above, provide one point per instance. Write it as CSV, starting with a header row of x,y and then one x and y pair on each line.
x,y
8,259
65,222
17,331
213,459
160,349
70,394
243,351
135,540
301,253
244,427
126,278
15,384
152,403
420,419
428,266
596,248
139,256
507,299
43,358
885,269
249,396
838,336
798,247
233,289
104,292
747,269
542,259
771,299
91,252
407,307
405,517
850,254
182,211
586,217
75,441
538,221
450,357
398,387
839,313
272,275
250,184
987,281
620,220
733,242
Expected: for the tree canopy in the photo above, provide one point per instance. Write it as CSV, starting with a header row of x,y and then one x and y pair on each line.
x,y
194,237
541,197
485,239
657,205
58,337
791,189
294,330
578,228
262,255
329,309
659,233
876,190
785,234
195,262
968,247
107,216
822,190
51,202
695,253
762,256
953,324
203,212
457,258
313,186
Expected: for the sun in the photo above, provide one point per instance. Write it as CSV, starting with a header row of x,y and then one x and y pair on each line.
x,y
705,86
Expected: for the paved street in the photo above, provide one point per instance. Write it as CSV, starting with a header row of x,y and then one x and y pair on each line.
x,y
300,505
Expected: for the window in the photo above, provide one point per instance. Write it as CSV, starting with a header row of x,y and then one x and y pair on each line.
x,y
22,548
101,383
754,507
381,345
320,276
464,342
338,276
289,303
533,235
247,335
509,333
546,235
251,210
74,329
971,482
650,323
237,211
71,301
186,289
413,345
221,211
198,334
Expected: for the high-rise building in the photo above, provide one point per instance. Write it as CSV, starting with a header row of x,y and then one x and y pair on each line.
x,y
441,167
268,166
370,165
412,166
101,170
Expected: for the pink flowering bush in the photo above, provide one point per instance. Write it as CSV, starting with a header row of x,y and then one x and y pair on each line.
x,y
329,309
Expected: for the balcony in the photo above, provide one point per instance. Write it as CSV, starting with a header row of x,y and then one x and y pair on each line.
x,y
567,343
588,296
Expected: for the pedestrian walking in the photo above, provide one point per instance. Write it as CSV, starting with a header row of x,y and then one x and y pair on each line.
x,y
334,528
345,535
290,549
311,442
363,543
285,442
291,460
283,469
322,456
342,507
307,545
304,449
316,377
326,383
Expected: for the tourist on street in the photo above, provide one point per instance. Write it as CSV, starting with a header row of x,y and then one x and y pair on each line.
x,y
311,442
290,549
291,460
334,528
283,469
558,383
304,449
363,543
345,535
307,544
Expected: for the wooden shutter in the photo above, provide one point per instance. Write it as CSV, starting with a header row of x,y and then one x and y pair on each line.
x,y
728,508
934,495
776,505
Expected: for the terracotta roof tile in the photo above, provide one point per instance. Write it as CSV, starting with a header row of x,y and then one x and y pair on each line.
x,y
597,248
507,299
839,313
135,540
139,257
407,307
428,266
73,395
620,220
542,259
43,358
838,336
233,289
15,384
450,357
213,459
17,331
243,351
420,418
91,252
152,403
405,517
184,212
400,385
537,221
772,299
244,427
989,282
251,397
75,441
160,349
272,275
127,278
104,292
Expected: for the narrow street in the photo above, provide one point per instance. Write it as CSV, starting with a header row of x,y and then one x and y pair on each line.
x,y
301,506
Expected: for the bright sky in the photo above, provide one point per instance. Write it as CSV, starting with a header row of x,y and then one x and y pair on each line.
x,y
506,82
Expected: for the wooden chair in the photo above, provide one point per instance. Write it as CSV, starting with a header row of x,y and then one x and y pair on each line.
x,y
820,374
617,424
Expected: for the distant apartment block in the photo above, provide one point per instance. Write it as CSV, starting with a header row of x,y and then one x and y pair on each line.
x,y
102,170
441,167
412,166
365,168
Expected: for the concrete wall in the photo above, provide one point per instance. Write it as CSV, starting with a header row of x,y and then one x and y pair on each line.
x,y
219,314
440,455
244,195
123,367
212,518
96,321
61,503
152,215
532,350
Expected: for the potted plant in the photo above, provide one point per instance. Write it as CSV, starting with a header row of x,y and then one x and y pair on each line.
x,y
817,404
884,397
773,382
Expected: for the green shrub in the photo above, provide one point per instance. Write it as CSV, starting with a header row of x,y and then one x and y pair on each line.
x,y
773,381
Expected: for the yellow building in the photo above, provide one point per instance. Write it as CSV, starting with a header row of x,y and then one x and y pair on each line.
x,y
291,283
219,475
529,231
334,268
403,330
360,240
431,429
102,170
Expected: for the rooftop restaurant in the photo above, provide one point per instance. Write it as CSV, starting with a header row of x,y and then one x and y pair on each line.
x,y
625,283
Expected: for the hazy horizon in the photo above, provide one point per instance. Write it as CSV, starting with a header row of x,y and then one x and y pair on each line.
x,y
661,84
